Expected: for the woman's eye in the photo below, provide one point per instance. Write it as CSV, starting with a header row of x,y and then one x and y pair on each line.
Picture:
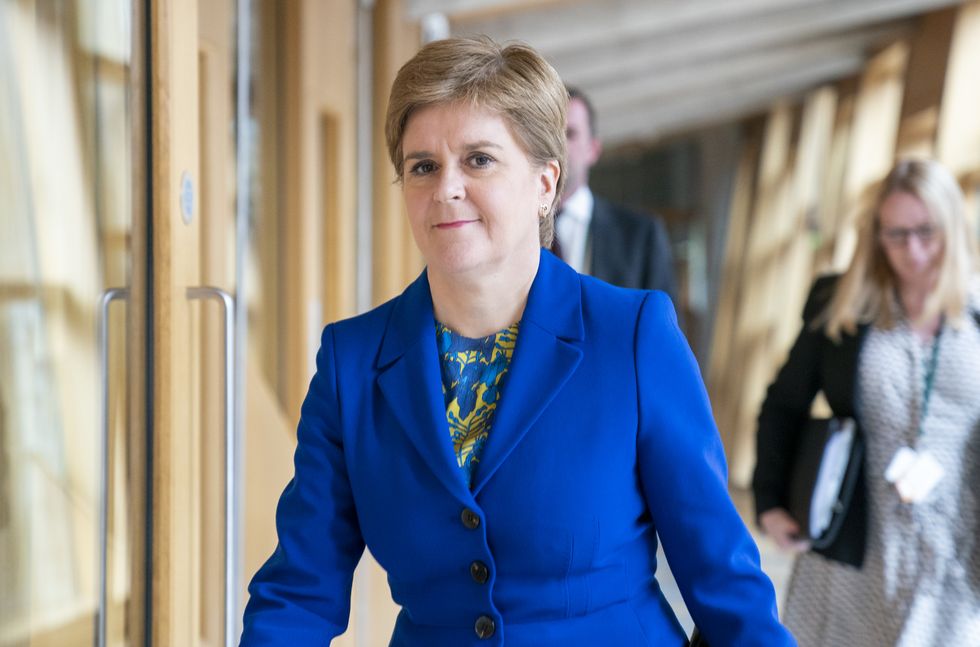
x,y
422,168
480,160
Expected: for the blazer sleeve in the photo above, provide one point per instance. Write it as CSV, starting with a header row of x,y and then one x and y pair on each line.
x,y
301,596
787,405
685,482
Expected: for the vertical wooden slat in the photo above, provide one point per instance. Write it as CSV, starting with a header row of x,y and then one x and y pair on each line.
x,y
174,88
796,273
958,143
318,190
928,57
872,146
789,271
767,238
722,376
830,207
331,34
396,258
216,47
299,295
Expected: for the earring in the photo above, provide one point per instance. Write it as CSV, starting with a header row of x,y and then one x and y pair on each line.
x,y
544,210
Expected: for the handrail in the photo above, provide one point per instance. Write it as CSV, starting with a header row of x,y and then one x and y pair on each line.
x,y
232,539
110,295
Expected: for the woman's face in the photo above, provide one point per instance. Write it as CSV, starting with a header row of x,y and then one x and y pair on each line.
x,y
912,240
473,197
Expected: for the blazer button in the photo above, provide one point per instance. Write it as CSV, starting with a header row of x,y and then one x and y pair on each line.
x,y
470,519
484,627
479,572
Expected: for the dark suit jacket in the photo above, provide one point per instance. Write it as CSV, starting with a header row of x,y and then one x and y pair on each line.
x,y
815,363
630,249
603,440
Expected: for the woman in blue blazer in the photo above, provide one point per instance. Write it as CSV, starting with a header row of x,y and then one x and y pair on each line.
x,y
508,437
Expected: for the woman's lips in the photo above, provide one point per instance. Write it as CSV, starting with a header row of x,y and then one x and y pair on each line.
x,y
455,224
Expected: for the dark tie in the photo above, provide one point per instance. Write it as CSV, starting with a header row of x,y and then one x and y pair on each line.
x,y
555,243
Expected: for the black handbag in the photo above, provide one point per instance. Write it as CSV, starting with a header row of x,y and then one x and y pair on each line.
x,y
826,473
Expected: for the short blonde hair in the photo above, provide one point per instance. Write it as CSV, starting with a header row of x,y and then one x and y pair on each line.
x,y
512,80
866,292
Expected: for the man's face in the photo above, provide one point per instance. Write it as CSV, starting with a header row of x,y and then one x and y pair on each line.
x,y
583,147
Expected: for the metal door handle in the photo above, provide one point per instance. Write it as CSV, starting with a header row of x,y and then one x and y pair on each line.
x,y
231,462
110,295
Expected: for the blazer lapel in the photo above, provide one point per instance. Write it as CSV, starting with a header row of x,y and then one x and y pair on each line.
x,y
546,355
411,384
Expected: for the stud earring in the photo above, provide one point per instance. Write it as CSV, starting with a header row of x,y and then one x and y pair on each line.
x,y
544,210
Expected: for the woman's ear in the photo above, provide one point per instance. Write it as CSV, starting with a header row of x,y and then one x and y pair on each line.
x,y
549,174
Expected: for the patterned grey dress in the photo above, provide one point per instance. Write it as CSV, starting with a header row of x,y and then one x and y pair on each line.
x,y
920,583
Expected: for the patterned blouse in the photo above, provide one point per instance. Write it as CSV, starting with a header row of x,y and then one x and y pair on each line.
x,y
472,376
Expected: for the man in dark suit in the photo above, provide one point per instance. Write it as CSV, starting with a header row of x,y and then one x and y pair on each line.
x,y
596,236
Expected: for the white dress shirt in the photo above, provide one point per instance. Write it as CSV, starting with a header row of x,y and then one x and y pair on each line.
x,y
572,228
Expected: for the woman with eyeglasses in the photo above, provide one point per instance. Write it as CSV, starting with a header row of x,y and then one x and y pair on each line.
x,y
894,342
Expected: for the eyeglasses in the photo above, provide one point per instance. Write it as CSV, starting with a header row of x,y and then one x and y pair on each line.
x,y
899,236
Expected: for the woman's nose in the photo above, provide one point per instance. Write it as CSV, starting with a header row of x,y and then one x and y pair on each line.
x,y
917,248
451,185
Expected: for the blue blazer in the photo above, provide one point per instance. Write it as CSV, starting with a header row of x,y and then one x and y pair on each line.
x,y
603,440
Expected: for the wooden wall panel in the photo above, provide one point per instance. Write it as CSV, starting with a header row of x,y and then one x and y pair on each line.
x,y
396,258
873,138
830,207
726,341
958,144
812,161
216,84
174,108
318,128
928,56
759,309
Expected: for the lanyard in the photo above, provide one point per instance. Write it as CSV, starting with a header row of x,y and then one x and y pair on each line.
x,y
930,379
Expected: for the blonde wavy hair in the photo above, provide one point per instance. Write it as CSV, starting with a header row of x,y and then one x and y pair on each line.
x,y
866,293
512,80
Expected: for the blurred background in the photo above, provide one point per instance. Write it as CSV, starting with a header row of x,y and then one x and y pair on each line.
x,y
191,189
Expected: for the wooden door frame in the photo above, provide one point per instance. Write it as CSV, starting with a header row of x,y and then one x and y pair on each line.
x,y
174,178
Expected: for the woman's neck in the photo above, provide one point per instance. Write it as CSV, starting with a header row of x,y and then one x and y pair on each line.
x,y
480,304
913,298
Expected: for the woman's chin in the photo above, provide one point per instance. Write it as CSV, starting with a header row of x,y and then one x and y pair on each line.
x,y
458,260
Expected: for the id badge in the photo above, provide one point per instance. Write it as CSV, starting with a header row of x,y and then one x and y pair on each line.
x,y
914,474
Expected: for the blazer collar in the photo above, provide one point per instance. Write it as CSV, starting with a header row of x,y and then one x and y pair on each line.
x,y
555,300
549,349
411,320
554,304
546,355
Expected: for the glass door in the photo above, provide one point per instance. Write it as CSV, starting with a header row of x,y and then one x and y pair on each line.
x,y
72,323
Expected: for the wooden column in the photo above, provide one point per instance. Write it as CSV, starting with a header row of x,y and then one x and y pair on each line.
x,y
928,57
216,214
174,124
830,207
318,180
396,259
872,145
726,341
812,162
958,144
765,249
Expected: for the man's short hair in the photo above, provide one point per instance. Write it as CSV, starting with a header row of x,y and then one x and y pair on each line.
x,y
576,93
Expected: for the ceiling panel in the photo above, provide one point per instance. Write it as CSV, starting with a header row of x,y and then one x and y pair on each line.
x,y
655,66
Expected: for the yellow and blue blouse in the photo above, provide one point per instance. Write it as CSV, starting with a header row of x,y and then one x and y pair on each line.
x,y
473,372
